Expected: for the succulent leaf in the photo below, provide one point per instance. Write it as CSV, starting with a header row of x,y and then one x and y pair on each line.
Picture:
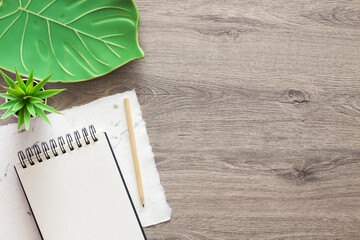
x,y
41,84
18,106
26,119
21,85
35,100
48,93
41,114
46,108
29,88
8,113
8,96
18,78
7,105
19,90
12,92
30,78
20,118
30,108
8,80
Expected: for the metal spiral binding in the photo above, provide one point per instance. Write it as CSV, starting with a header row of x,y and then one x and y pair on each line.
x,y
77,138
29,155
61,142
45,148
35,150
69,141
92,133
53,147
22,159
85,135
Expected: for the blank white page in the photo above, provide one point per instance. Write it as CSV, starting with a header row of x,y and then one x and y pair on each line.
x,y
80,195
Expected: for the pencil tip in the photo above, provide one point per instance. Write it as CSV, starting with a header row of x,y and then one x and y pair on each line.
x,y
143,205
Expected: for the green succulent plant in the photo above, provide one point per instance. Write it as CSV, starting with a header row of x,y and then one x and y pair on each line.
x,y
26,99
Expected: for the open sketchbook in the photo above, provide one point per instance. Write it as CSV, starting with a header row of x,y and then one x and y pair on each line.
x,y
76,190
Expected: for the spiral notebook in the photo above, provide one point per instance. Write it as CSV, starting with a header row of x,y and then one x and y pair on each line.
x,y
76,191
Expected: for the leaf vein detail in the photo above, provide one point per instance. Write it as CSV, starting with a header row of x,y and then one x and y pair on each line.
x,y
46,7
94,10
10,25
52,48
27,4
112,50
22,41
8,15
90,51
73,29
112,35
82,57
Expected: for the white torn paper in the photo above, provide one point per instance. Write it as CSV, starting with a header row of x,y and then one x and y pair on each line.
x,y
106,114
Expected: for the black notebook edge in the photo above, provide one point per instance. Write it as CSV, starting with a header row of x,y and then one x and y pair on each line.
x,y
127,191
37,225
122,178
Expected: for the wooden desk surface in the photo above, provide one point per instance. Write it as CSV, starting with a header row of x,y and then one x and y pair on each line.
x,y
253,112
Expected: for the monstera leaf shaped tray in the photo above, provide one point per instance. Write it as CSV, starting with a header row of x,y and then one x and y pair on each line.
x,y
76,40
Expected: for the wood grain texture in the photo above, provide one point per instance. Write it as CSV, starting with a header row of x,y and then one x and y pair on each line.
x,y
253,112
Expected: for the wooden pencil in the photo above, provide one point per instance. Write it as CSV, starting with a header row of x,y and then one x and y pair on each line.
x,y
134,150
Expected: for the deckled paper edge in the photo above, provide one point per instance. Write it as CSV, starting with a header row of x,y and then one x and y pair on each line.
x,y
147,140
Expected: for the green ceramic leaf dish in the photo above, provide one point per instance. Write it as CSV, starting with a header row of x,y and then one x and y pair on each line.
x,y
76,39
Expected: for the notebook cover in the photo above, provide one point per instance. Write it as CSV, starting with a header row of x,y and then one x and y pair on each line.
x,y
121,176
